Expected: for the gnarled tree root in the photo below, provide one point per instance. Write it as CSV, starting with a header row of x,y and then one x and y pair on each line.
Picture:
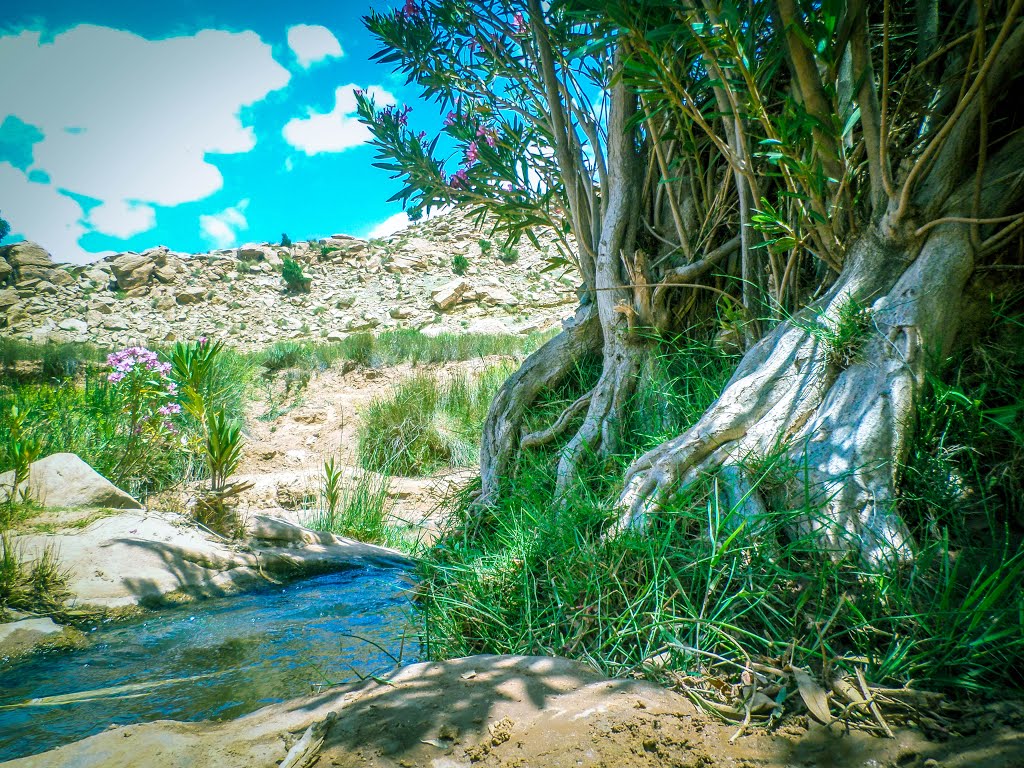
x,y
843,431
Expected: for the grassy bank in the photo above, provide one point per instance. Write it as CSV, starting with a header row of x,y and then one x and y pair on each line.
x,y
536,576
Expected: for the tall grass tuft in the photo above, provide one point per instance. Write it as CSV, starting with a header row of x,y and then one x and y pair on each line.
x,y
358,510
428,424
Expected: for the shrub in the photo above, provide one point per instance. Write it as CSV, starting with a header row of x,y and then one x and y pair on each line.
x,y
294,278
459,264
508,254
286,241
144,397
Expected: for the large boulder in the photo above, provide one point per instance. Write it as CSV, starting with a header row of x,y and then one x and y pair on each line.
x,y
132,270
65,481
5,270
26,254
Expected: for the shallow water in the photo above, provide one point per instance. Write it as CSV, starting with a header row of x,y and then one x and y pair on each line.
x,y
217,659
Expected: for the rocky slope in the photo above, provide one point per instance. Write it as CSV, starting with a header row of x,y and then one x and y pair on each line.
x,y
405,281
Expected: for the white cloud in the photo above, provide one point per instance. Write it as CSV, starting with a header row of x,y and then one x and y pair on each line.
x,y
313,43
129,121
222,228
399,221
42,214
389,226
338,129
122,218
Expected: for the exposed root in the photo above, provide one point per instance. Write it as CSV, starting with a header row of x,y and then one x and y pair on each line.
x,y
843,432
543,370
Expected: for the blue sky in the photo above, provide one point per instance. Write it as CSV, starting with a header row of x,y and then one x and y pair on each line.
x,y
125,125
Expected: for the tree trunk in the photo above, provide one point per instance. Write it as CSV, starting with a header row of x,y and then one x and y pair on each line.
x,y
830,396
838,417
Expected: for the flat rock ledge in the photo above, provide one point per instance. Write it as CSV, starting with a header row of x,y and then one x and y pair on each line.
x,y
149,558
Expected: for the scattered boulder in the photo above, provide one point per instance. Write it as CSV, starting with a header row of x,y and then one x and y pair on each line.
x,y
450,294
8,296
74,325
26,254
64,481
5,270
191,295
131,270
116,323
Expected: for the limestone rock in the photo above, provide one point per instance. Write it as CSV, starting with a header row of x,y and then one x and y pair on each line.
x,y
26,254
5,270
132,270
450,294
8,296
190,295
116,323
63,480
74,325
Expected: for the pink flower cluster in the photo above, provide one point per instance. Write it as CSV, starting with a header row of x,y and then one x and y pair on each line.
x,y
488,134
125,361
521,26
400,116
411,10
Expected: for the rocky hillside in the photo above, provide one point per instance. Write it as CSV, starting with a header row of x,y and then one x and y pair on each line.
x,y
405,281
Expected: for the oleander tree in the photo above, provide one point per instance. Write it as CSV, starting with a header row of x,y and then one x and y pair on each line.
x,y
820,181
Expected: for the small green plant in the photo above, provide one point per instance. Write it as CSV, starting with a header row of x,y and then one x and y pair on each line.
x,y
22,450
459,264
508,254
39,586
359,511
331,491
295,280
426,424
842,336
485,246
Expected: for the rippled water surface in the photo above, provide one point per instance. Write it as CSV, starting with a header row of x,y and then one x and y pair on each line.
x,y
216,659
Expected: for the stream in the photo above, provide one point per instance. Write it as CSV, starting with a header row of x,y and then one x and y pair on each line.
x,y
217,659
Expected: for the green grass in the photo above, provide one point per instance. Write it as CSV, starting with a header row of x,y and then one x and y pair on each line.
x,y
529,576
358,511
394,347
426,425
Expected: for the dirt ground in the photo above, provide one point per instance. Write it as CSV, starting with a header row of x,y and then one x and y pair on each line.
x,y
514,712
289,438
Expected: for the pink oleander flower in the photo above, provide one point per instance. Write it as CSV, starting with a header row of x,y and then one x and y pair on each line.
x,y
459,179
411,10
115,377
488,134
201,340
171,387
170,428
520,23
472,153
451,119
169,409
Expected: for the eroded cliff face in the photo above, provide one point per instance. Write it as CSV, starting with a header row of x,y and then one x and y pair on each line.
x,y
405,281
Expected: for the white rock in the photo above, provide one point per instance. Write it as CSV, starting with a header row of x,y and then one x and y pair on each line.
x,y
63,481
